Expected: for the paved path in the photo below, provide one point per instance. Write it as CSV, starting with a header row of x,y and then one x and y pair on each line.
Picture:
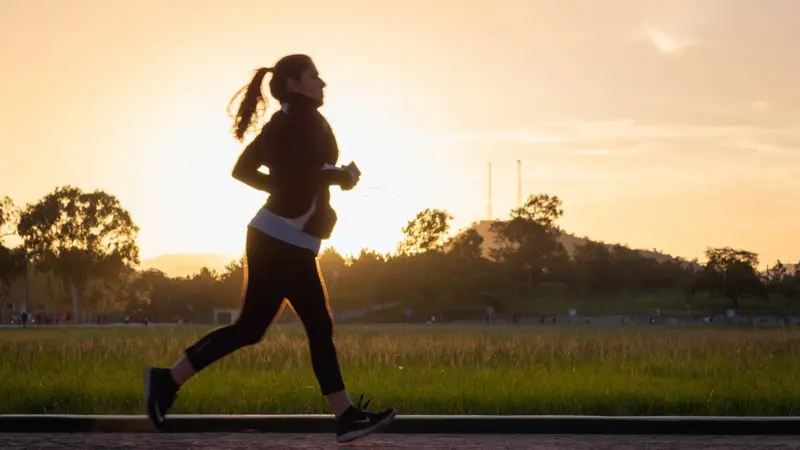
x,y
388,441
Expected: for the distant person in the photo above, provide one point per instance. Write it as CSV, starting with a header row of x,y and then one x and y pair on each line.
x,y
283,240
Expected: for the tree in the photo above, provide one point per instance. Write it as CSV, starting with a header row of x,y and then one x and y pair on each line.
x,y
12,260
595,269
777,279
534,224
204,292
80,236
152,294
791,284
542,209
674,273
633,271
234,270
9,218
730,271
12,267
426,232
467,244
722,258
332,265
369,268
528,244
742,279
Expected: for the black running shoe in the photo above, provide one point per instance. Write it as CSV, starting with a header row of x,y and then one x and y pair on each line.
x,y
160,391
356,423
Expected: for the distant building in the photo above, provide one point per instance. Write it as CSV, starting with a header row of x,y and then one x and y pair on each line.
x,y
791,269
569,241
225,316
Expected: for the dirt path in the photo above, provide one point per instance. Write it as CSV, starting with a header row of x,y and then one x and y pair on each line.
x,y
388,441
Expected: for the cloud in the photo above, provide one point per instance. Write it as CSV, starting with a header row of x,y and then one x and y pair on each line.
x,y
666,43
627,137
526,136
567,131
593,152
764,148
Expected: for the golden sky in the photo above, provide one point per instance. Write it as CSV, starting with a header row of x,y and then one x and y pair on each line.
x,y
672,125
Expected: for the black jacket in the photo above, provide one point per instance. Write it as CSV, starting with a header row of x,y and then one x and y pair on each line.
x,y
295,145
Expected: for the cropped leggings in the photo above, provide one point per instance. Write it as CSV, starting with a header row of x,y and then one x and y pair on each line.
x,y
274,271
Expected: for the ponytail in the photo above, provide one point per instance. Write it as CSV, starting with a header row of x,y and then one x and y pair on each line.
x,y
251,106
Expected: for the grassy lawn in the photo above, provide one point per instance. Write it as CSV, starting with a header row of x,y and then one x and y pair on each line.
x,y
420,370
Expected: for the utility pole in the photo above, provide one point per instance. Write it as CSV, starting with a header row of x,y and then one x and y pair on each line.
x,y
490,192
27,272
519,183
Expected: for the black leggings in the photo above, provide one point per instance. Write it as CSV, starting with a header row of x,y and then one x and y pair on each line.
x,y
274,271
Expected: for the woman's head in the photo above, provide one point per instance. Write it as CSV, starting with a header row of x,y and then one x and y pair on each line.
x,y
293,74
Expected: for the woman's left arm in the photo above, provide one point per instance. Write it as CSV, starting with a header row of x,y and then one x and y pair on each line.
x,y
246,168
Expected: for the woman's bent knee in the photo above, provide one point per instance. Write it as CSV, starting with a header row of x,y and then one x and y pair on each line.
x,y
246,334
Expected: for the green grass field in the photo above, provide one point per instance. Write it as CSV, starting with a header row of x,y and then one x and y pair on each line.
x,y
420,370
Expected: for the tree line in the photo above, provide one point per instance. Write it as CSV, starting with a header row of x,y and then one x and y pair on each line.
x,y
86,243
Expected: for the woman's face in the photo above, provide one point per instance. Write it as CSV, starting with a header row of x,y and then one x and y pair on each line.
x,y
309,84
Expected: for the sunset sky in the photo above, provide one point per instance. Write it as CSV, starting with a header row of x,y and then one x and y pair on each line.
x,y
672,125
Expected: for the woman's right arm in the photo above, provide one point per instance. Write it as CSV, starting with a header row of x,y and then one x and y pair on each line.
x,y
304,167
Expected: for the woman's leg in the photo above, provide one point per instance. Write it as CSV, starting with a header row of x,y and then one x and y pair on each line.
x,y
260,310
309,298
263,293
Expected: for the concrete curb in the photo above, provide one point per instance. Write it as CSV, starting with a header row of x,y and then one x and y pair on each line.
x,y
663,425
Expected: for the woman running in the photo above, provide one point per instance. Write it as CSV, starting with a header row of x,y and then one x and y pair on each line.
x,y
283,240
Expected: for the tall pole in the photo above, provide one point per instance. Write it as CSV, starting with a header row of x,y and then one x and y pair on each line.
x,y
490,192
27,286
519,183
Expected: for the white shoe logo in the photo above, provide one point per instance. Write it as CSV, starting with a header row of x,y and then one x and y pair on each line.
x,y
361,421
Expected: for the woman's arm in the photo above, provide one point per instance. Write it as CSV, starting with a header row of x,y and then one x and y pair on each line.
x,y
246,168
297,161
302,163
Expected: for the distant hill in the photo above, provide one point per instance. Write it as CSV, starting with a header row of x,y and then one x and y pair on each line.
x,y
185,264
569,241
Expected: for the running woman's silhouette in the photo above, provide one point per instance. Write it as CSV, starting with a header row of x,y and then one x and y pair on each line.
x,y
283,240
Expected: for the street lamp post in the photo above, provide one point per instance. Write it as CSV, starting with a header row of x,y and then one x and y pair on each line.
x,y
27,287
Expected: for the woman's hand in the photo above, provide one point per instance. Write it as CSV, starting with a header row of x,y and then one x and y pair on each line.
x,y
355,176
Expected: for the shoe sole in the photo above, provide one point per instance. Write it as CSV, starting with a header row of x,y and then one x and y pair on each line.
x,y
353,435
151,409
